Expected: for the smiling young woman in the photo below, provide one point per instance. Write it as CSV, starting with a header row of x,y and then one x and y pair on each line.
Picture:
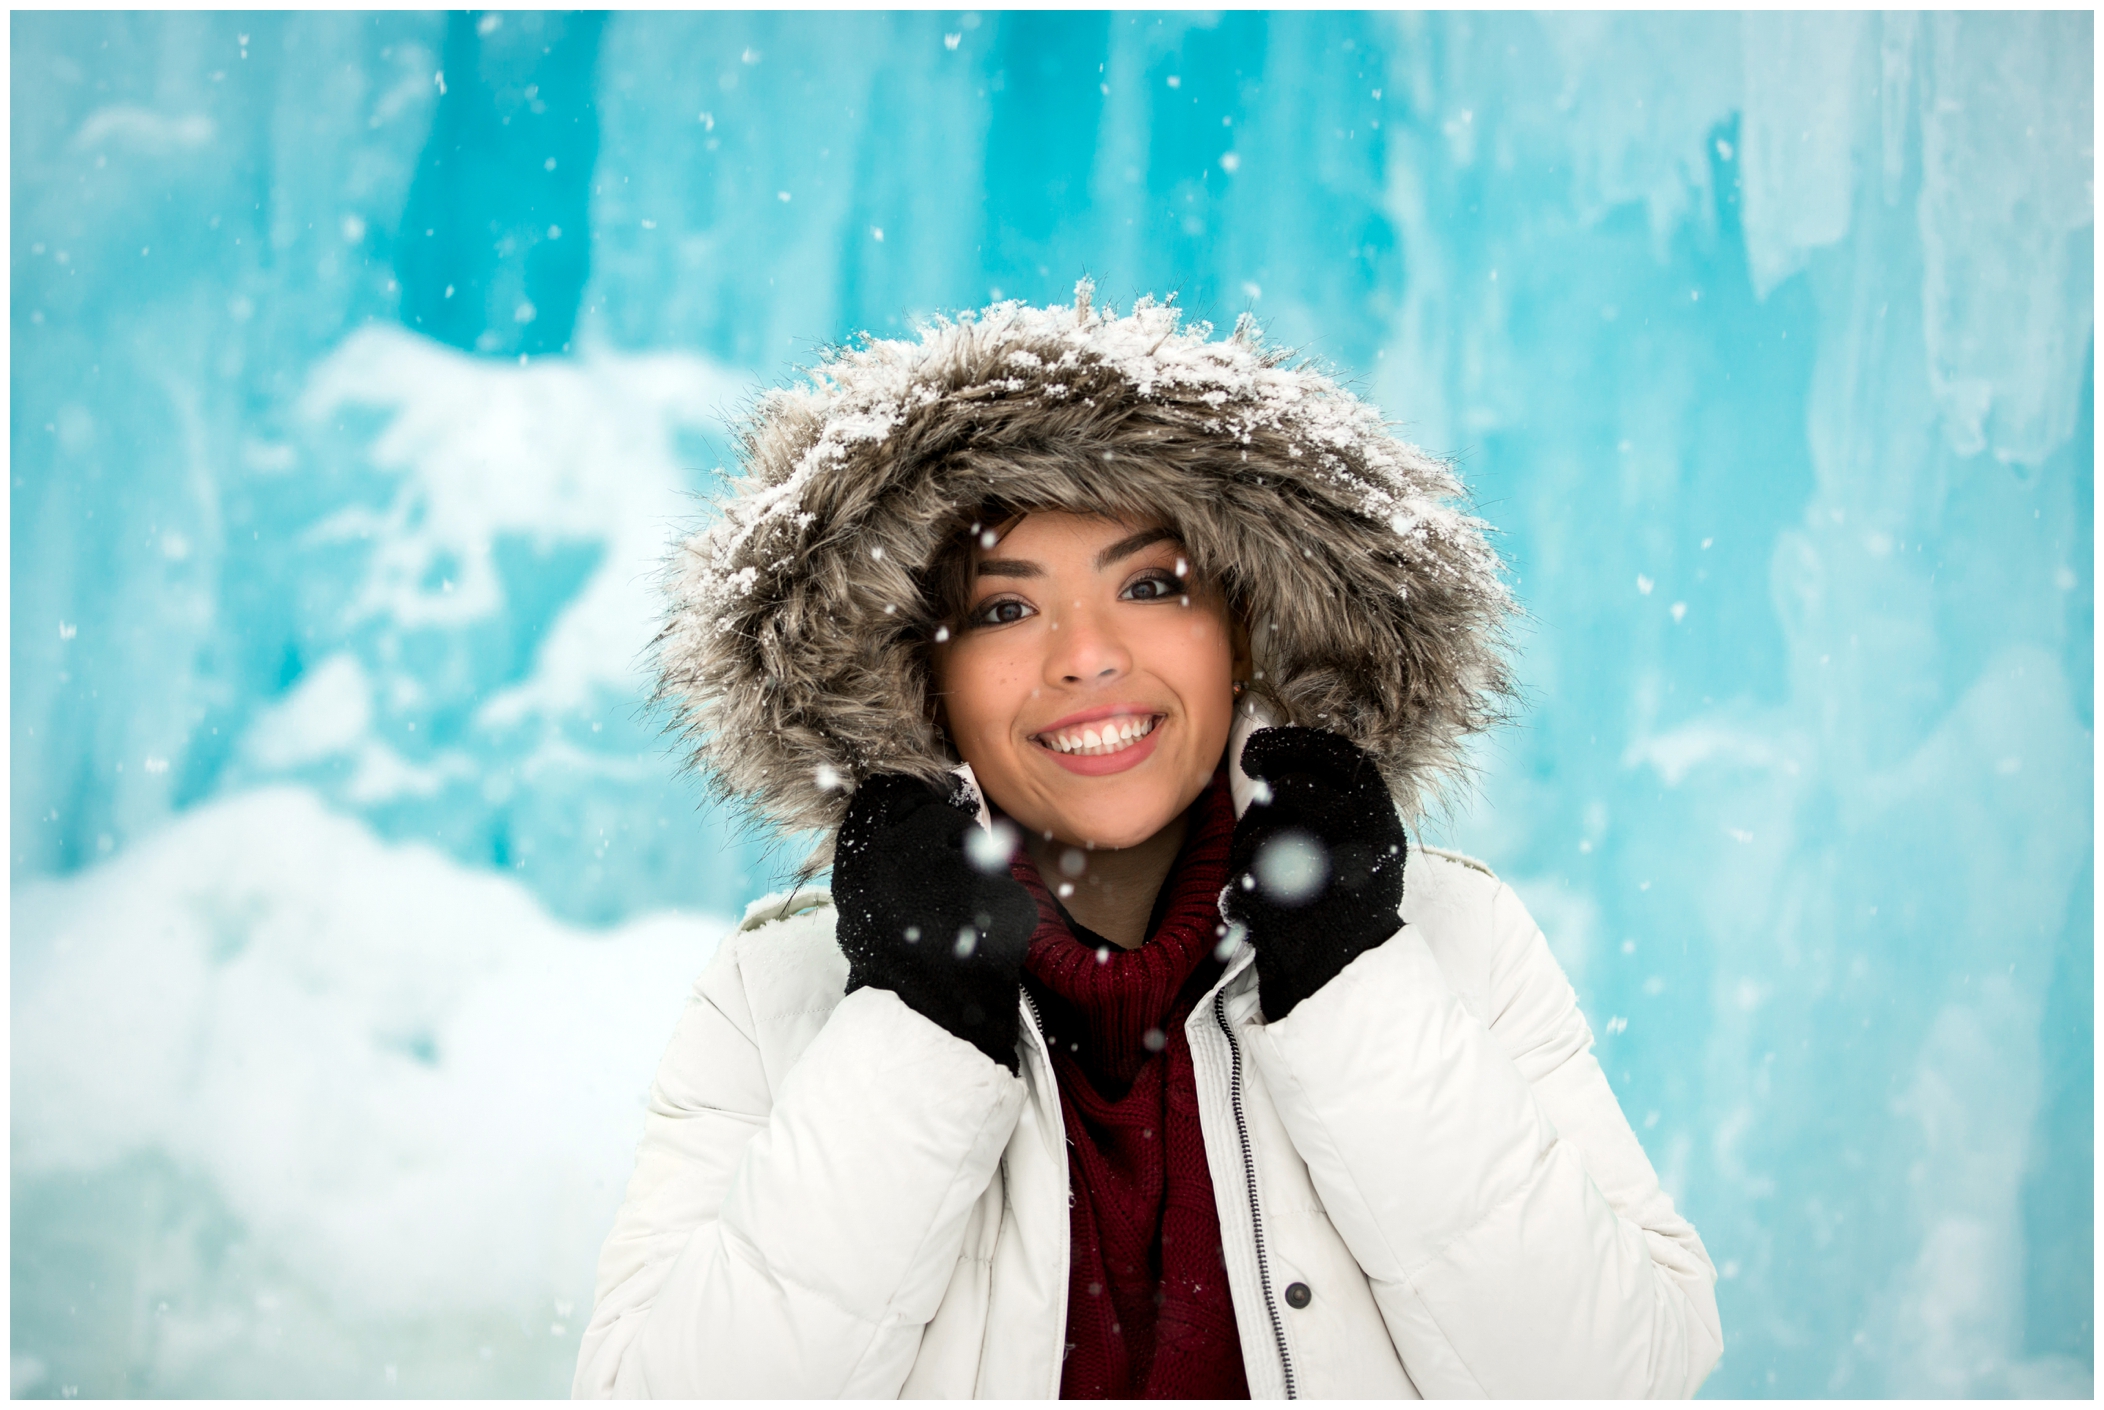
x,y
1118,1060
1089,680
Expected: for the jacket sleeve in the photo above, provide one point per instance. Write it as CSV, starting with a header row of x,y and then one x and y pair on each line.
x,y
1484,1177
793,1242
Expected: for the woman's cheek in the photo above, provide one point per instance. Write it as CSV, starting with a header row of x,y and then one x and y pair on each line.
x,y
984,697
1196,650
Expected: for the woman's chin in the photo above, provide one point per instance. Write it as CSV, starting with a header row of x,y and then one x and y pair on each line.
x,y
1108,842
1109,824
1106,811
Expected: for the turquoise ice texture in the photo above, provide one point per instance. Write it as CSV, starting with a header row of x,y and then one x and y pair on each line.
x,y
364,365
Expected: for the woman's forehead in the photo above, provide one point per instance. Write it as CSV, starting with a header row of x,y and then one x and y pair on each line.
x,y
1058,528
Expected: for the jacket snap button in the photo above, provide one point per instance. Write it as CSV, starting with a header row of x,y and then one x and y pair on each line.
x,y
1298,1295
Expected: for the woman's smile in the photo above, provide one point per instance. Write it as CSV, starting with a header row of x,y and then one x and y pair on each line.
x,y
1105,740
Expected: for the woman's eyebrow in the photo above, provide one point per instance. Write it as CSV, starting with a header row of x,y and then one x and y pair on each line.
x,y
1131,544
1008,568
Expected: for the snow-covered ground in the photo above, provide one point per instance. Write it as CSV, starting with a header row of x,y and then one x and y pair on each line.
x,y
371,1097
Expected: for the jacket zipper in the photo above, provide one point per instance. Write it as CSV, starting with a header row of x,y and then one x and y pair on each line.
x,y
1037,1024
1037,1029
1249,1175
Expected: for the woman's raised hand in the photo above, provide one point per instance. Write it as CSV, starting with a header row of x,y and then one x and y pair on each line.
x,y
923,913
1316,868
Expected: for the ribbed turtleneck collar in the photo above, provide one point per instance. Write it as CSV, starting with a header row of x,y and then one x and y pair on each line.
x,y
1110,1007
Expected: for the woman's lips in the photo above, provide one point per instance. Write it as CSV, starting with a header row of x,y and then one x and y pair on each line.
x,y
1139,734
1098,731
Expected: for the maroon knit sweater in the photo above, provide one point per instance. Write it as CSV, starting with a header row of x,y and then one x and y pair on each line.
x,y
1148,1309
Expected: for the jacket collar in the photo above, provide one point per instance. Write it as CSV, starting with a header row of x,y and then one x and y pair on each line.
x,y
1252,713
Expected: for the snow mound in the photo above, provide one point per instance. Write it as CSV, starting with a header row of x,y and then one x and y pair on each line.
x,y
409,1082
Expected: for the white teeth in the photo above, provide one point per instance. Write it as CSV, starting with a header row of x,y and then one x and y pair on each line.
x,y
1106,738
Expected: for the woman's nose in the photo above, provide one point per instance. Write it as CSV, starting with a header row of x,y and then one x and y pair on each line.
x,y
1083,650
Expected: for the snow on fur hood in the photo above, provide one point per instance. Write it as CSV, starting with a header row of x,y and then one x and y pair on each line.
x,y
794,649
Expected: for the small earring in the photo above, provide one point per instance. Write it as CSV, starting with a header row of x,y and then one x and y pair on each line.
x,y
1240,686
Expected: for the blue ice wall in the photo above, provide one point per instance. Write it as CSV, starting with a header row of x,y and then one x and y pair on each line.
x,y
363,364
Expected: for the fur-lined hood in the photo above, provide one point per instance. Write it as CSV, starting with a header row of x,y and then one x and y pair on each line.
x,y
794,649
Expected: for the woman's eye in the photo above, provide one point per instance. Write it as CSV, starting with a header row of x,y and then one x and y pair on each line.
x,y
1156,586
1001,613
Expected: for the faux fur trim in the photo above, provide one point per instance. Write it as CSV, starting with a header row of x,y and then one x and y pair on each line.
x,y
793,651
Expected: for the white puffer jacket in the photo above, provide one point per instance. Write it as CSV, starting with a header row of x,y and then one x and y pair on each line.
x,y
836,1197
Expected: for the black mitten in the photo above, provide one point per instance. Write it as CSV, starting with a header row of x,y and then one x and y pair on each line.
x,y
940,924
1316,868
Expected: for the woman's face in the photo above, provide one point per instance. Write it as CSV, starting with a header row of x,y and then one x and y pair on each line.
x,y
1091,683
